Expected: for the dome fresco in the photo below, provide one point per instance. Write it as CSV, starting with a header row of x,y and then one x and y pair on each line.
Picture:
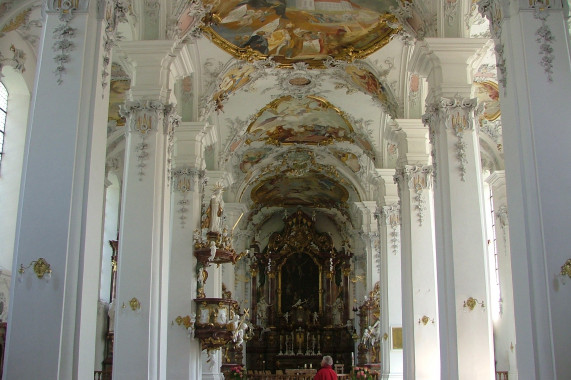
x,y
302,30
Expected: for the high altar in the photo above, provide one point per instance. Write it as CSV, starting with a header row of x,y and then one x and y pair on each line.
x,y
300,299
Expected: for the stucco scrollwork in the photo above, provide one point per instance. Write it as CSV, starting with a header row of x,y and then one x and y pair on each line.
x,y
391,216
183,181
492,10
143,118
457,115
417,178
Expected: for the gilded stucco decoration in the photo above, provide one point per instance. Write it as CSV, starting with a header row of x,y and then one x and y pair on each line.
x,y
143,118
293,31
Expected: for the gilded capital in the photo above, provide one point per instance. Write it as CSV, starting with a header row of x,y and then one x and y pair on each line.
x,y
183,178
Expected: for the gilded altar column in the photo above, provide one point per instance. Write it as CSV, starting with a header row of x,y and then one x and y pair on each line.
x,y
187,178
532,42
419,291
144,228
505,345
52,324
388,220
464,316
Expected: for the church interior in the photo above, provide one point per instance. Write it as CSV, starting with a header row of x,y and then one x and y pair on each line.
x,y
194,188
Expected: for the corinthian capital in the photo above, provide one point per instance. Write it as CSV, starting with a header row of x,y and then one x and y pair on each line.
x,y
391,214
183,178
418,177
143,115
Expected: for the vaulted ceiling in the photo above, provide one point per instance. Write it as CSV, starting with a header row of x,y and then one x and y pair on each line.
x,y
300,92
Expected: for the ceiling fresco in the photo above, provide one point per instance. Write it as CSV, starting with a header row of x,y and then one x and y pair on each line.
x,y
311,190
349,159
301,30
367,82
233,80
251,157
487,92
118,91
310,120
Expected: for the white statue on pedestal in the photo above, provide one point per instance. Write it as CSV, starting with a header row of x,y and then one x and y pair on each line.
x,y
213,218
262,311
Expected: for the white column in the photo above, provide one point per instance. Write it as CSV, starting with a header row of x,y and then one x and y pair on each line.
x,y
535,121
504,326
144,229
465,334
391,292
51,325
183,351
420,307
420,333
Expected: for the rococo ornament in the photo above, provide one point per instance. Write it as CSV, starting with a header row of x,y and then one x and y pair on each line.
x,y
492,10
115,11
391,215
456,115
143,118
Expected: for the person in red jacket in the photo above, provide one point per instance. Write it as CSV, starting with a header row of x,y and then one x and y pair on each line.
x,y
326,372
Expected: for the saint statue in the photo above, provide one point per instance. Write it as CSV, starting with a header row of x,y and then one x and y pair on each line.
x,y
213,218
262,310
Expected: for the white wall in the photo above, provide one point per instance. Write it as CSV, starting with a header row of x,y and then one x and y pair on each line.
x,y
12,159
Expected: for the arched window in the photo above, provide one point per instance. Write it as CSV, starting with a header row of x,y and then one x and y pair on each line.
x,y
3,108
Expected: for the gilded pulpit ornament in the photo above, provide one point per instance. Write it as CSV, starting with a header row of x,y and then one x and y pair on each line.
x,y
218,321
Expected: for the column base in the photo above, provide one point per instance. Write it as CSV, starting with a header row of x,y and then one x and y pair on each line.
x,y
394,376
210,376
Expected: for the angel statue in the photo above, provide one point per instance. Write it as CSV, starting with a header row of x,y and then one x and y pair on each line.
x,y
241,327
366,336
